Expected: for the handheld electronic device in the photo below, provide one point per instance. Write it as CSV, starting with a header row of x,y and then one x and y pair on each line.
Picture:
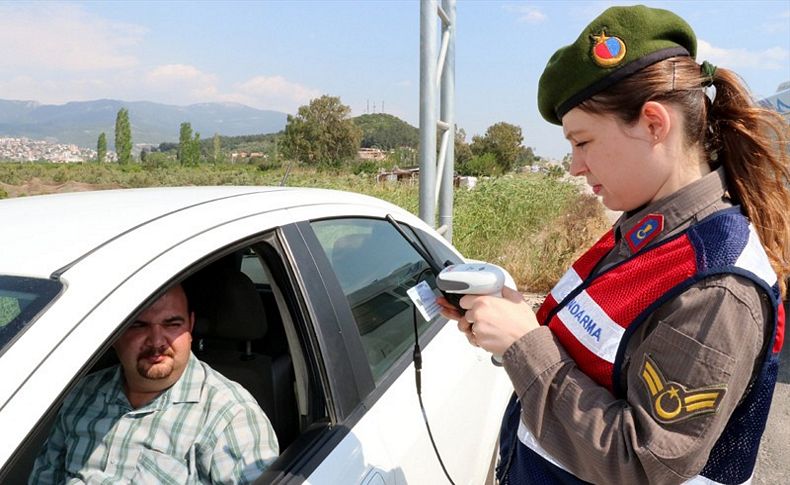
x,y
472,279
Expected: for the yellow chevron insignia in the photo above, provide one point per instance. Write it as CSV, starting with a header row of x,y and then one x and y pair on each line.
x,y
672,402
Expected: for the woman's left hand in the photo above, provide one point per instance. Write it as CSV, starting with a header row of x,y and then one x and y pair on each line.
x,y
494,323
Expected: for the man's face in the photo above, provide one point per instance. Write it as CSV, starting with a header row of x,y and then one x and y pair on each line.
x,y
155,349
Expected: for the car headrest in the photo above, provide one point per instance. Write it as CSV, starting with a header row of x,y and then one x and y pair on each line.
x,y
228,306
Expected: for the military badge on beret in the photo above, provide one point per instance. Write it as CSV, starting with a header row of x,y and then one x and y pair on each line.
x,y
608,51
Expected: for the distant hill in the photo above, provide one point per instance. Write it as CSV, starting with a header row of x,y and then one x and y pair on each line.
x,y
81,122
385,131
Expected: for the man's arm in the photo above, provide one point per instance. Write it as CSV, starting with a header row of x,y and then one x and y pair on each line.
x,y
245,447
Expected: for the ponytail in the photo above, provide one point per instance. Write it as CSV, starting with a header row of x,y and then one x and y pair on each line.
x,y
751,143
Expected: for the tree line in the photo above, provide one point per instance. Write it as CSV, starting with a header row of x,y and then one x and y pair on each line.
x,y
323,134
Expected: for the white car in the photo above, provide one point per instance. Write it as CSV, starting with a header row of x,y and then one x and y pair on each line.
x,y
300,295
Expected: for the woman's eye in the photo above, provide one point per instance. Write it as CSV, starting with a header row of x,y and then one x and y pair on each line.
x,y
580,144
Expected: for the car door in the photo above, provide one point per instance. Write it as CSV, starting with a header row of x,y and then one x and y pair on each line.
x,y
374,266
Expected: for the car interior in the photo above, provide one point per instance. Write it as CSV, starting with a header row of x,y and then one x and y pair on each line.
x,y
238,332
244,330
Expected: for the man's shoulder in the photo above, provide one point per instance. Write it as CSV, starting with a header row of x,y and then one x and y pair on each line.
x,y
95,381
220,389
92,385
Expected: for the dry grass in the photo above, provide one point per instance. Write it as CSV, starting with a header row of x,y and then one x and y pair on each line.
x,y
540,262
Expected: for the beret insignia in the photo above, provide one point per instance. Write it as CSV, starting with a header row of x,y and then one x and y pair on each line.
x,y
608,51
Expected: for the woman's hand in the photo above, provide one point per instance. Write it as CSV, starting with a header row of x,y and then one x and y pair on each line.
x,y
491,322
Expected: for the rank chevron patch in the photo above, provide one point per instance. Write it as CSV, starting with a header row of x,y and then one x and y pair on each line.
x,y
672,402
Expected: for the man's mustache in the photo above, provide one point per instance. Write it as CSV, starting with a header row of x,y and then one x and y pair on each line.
x,y
154,351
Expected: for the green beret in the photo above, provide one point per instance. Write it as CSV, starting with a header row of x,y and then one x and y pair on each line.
x,y
619,42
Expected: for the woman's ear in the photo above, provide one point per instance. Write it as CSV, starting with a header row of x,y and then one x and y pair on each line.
x,y
655,120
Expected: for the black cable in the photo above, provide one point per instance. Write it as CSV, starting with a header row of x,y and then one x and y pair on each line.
x,y
418,379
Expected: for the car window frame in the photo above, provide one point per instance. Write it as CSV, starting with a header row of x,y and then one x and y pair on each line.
x,y
367,394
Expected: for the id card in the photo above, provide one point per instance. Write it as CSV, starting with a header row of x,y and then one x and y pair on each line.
x,y
425,299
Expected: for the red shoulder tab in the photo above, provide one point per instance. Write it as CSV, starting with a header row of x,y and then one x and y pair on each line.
x,y
645,231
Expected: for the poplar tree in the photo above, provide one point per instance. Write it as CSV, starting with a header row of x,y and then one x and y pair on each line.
x,y
217,148
101,148
123,137
188,146
184,139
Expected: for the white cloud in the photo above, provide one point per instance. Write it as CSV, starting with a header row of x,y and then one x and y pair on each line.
x,y
183,80
272,92
63,36
527,14
768,59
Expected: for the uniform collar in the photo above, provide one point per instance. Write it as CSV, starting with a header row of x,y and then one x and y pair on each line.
x,y
676,211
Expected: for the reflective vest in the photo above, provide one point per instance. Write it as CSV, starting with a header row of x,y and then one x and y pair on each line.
x,y
594,316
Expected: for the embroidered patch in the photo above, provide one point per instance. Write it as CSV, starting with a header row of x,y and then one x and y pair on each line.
x,y
608,51
644,231
672,402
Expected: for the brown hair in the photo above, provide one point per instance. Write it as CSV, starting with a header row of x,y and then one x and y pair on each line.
x,y
751,142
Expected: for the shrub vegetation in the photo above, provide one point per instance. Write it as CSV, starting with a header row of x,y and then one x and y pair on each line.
x,y
532,224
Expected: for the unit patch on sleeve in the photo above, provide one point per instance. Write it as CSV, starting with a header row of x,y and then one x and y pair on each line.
x,y
644,231
671,402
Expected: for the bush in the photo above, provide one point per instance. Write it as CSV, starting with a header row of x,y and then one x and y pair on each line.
x,y
368,167
484,165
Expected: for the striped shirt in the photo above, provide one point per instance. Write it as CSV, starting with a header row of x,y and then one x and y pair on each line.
x,y
204,429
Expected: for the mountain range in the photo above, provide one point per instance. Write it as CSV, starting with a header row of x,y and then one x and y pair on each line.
x,y
81,122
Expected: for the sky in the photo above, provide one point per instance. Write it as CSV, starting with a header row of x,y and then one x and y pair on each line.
x,y
278,55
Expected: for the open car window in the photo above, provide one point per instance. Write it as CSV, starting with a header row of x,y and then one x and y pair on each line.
x,y
375,267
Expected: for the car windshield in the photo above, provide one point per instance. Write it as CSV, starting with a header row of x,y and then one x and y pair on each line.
x,y
21,301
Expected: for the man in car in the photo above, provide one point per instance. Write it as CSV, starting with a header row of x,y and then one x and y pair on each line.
x,y
161,416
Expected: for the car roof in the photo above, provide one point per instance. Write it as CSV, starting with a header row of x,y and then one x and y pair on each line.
x,y
45,233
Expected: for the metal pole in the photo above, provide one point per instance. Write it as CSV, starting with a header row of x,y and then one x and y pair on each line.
x,y
428,53
448,116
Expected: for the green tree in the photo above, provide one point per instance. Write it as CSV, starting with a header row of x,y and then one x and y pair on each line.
x,y
503,140
462,151
188,146
123,137
217,149
321,133
194,148
101,148
482,165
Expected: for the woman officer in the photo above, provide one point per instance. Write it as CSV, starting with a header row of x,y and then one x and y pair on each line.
x,y
654,358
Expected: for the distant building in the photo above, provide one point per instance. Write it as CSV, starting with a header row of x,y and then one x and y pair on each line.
x,y
371,154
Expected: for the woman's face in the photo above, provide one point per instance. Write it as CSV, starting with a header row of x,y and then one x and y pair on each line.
x,y
618,160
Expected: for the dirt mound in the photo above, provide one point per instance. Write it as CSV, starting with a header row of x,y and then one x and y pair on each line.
x,y
36,187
